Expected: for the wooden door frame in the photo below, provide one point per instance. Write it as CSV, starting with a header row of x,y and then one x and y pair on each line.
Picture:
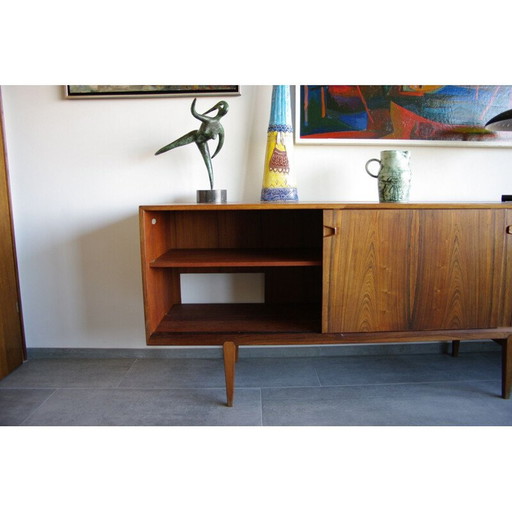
x,y
5,190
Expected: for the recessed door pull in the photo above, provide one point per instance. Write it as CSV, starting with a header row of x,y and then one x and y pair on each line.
x,y
509,230
330,231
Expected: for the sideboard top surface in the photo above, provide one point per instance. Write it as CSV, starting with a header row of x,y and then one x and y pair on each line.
x,y
327,206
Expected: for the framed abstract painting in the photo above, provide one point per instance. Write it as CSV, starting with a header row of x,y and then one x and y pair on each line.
x,y
146,91
401,114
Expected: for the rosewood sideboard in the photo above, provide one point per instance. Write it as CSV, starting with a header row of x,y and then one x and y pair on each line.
x,y
334,273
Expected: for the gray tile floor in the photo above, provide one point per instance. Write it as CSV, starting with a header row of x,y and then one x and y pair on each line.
x,y
395,389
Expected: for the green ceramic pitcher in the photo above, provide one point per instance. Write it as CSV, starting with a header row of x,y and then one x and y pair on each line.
x,y
394,176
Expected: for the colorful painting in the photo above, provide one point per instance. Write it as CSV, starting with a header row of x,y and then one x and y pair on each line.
x,y
138,91
436,114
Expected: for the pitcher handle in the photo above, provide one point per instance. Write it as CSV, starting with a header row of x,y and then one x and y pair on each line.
x,y
380,167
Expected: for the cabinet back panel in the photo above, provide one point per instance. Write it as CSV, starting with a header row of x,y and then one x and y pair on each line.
x,y
244,229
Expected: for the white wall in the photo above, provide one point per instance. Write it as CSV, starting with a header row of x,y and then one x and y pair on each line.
x,y
79,169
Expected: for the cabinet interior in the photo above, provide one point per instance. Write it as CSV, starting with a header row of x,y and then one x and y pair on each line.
x,y
284,245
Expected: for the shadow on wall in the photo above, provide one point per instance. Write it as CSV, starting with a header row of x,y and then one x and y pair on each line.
x,y
111,283
254,163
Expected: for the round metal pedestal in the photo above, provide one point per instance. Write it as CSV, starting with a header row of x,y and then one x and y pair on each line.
x,y
212,196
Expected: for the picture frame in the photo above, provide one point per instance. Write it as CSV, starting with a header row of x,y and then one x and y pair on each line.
x,y
148,91
393,115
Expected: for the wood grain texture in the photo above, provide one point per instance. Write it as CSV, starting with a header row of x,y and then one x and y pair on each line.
x,y
367,271
416,269
333,205
461,269
236,318
161,289
12,345
230,357
319,338
506,367
203,258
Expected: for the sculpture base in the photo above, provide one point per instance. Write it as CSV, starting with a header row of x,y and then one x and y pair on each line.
x,y
212,196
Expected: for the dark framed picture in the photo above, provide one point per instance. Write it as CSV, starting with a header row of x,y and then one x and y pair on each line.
x,y
148,91
443,115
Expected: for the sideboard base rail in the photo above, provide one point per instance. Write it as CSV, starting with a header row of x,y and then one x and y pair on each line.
x,y
230,352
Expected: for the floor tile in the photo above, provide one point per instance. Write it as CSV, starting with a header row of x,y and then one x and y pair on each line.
x,y
350,370
276,372
54,373
17,404
394,389
129,407
175,373
250,372
427,404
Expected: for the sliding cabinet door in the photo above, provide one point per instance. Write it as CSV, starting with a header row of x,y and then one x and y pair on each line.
x,y
367,270
417,269
462,276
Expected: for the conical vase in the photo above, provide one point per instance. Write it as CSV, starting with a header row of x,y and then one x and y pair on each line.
x,y
279,182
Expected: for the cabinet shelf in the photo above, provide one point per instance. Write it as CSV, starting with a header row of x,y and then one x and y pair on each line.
x,y
240,318
182,258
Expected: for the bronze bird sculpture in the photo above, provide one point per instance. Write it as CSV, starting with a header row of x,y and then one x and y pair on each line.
x,y
210,128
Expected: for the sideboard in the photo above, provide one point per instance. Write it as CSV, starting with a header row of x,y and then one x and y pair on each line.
x,y
334,273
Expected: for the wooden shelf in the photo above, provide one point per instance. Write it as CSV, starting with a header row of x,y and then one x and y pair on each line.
x,y
182,258
240,318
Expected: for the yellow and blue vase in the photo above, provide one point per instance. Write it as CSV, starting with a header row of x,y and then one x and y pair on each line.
x,y
278,179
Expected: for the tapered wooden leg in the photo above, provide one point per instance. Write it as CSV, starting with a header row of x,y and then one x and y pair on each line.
x,y
230,350
506,365
455,348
